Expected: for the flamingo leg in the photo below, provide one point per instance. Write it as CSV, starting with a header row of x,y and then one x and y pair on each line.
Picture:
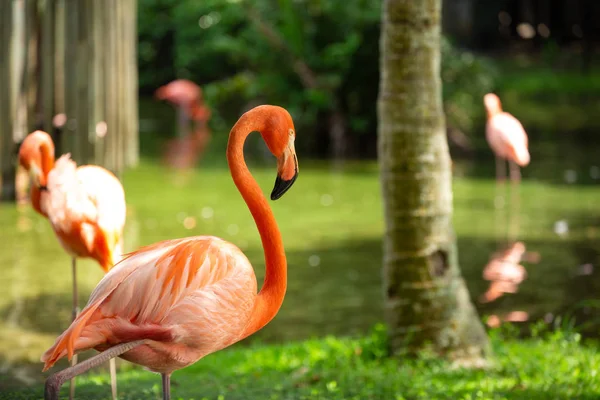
x,y
166,384
500,180
113,378
499,200
500,169
182,121
113,363
515,179
74,314
55,381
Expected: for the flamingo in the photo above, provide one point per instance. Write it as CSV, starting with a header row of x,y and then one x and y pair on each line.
x,y
169,304
184,94
85,206
187,96
507,138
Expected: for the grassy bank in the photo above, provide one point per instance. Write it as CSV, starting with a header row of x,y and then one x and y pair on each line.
x,y
550,365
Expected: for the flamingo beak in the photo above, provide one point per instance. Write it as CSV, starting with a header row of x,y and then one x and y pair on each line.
x,y
287,170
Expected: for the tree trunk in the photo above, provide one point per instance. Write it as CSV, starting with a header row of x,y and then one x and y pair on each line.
x,y
427,301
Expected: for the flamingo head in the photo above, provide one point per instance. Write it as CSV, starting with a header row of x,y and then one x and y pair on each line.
x,y
279,135
36,156
492,104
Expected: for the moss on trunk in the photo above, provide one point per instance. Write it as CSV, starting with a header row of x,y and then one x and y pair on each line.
x,y
427,301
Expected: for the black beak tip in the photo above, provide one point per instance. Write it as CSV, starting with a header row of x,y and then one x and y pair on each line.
x,y
282,186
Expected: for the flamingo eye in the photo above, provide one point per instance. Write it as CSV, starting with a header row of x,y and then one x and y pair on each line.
x,y
291,132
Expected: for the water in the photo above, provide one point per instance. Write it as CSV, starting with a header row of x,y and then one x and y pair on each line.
x,y
332,224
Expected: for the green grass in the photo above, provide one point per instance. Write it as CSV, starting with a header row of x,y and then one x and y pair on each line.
x,y
547,365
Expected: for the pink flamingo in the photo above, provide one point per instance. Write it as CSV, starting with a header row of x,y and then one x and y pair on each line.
x,y
509,142
186,95
507,138
85,206
183,152
169,304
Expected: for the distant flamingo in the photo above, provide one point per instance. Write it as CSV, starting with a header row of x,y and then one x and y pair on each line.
x,y
506,137
85,206
169,304
183,152
509,142
186,95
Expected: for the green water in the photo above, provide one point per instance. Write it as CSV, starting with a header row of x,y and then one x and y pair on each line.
x,y
331,224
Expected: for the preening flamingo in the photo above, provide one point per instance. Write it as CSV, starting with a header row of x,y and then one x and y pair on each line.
x,y
167,305
507,138
85,206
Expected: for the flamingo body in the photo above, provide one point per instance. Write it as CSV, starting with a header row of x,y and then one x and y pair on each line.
x,y
194,296
86,208
504,133
507,138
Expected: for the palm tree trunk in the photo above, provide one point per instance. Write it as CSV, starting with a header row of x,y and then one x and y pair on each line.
x,y
427,300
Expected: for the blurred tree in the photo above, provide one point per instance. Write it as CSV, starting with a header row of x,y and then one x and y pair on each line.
x,y
427,301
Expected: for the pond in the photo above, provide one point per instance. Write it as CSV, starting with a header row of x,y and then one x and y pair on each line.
x,y
331,222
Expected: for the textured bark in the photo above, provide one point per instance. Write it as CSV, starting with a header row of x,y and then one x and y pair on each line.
x,y
427,301
74,60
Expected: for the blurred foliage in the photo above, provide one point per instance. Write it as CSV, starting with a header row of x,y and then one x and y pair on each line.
x,y
467,78
220,45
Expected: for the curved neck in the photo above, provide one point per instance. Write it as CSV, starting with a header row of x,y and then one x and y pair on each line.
x,y
271,295
47,153
493,109
47,163
36,200
493,112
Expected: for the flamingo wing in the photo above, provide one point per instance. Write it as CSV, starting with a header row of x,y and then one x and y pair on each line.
x,y
67,202
508,138
105,191
160,291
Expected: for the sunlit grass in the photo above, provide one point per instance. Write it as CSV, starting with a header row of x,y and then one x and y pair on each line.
x,y
549,365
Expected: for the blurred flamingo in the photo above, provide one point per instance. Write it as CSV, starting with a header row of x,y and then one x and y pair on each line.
x,y
504,272
85,206
509,142
506,137
169,304
514,316
184,94
184,151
